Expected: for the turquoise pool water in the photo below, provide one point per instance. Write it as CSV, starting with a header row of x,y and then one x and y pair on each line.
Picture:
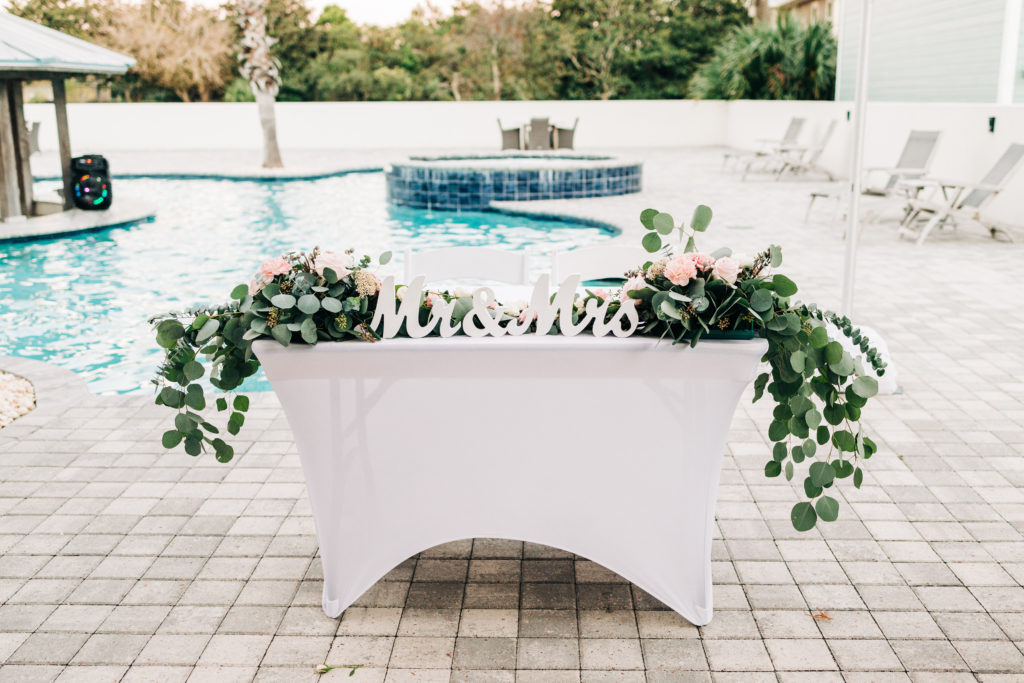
x,y
82,301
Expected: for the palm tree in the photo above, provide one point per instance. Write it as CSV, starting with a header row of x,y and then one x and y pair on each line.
x,y
262,72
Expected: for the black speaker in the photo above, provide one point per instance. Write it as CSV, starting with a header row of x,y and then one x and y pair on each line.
x,y
90,182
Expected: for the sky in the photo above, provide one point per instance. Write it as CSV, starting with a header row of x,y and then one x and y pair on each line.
x,y
380,12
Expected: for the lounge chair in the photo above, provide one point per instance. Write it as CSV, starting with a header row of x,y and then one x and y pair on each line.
x,y
769,146
468,263
564,136
539,134
802,159
949,201
913,162
511,138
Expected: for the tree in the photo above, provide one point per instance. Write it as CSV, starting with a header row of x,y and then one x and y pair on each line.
x,y
786,61
260,69
681,35
600,31
186,49
78,18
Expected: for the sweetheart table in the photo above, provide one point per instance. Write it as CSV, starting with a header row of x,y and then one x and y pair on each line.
x,y
605,447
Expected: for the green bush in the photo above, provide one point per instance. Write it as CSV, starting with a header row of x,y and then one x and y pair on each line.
x,y
786,61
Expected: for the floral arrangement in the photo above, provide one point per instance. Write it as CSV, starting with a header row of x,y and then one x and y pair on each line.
x,y
818,387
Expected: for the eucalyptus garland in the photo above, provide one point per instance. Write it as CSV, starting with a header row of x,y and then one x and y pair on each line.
x,y
818,386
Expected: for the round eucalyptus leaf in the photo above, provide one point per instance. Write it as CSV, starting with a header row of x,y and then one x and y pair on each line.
x,y
651,242
827,509
701,218
664,223
647,218
283,301
309,304
803,517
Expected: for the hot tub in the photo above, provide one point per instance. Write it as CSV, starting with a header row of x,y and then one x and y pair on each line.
x,y
472,182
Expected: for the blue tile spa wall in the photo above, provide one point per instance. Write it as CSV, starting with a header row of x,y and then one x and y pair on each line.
x,y
474,189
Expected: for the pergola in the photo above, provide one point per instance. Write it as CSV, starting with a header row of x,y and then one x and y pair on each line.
x,y
30,52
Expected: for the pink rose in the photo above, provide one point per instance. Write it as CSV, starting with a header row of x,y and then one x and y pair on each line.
x,y
726,269
631,285
680,270
275,266
339,263
702,261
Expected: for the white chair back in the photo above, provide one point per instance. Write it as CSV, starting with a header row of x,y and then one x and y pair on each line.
x,y
468,263
595,263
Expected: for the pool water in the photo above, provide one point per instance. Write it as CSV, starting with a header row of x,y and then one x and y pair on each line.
x,y
82,301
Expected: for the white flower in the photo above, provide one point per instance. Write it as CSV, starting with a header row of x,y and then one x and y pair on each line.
x,y
744,260
726,269
461,292
632,284
400,292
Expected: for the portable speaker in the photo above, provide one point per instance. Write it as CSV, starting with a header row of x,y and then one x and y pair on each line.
x,y
90,185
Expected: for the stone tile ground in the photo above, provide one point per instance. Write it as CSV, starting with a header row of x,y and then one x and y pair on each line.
x,y
121,561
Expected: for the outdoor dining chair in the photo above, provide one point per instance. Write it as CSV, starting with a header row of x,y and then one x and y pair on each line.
x,y
539,134
564,136
596,263
769,146
511,138
949,201
468,263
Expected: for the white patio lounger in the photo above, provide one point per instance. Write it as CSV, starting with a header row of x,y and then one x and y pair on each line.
x,y
913,162
767,145
799,160
950,200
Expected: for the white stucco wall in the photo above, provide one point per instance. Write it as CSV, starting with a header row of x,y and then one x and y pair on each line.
x,y
967,148
380,125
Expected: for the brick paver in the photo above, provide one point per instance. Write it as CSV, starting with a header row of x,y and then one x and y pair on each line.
x,y
118,559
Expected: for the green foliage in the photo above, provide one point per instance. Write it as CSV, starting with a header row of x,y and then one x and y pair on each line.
x,y
818,388
787,61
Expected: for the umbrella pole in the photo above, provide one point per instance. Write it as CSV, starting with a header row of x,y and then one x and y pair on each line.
x,y
856,160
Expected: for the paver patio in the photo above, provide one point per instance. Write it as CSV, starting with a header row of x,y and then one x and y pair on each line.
x,y
119,559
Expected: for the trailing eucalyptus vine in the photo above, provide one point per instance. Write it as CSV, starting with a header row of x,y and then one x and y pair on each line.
x,y
819,388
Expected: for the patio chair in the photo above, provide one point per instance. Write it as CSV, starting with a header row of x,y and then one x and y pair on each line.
x,y
511,138
468,263
913,162
596,263
950,201
564,136
539,134
769,146
797,159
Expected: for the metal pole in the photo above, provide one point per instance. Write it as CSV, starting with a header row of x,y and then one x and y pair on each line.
x,y
856,159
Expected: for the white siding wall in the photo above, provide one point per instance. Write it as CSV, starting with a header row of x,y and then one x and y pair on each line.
x,y
925,50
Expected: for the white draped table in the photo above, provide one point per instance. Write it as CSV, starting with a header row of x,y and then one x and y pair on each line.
x,y
608,448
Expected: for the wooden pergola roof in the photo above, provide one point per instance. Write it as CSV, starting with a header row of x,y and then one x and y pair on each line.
x,y
29,51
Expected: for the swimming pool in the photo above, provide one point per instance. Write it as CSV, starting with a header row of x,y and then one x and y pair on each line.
x,y
82,301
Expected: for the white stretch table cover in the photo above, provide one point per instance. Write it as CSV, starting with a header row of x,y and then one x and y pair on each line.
x,y
608,448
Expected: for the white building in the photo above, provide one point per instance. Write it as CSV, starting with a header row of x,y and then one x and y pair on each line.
x,y
936,51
